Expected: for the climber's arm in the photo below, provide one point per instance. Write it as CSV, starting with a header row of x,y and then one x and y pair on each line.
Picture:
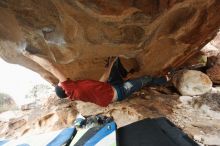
x,y
105,76
47,65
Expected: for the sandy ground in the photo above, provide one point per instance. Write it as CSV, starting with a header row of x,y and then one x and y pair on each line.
x,y
199,117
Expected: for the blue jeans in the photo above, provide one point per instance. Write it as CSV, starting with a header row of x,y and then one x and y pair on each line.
x,y
125,89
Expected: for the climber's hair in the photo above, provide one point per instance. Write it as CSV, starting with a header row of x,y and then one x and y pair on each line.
x,y
60,92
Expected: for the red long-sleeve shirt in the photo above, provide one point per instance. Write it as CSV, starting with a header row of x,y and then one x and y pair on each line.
x,y
100,93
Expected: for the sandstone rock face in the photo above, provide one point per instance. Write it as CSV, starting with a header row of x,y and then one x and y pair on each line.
x,y
213,47
54,115
78,35
192,82
212,50
213,70
214,73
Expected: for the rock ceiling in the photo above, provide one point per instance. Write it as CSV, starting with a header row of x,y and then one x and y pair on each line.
x,y
78,35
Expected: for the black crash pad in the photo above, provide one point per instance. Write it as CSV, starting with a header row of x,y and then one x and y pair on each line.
x,y
153,132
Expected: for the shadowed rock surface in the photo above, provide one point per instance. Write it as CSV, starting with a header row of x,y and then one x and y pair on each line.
x,y
212,50
79,35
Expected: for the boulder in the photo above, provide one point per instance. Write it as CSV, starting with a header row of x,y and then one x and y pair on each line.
x,y
79,35
6,102
28,106
192,82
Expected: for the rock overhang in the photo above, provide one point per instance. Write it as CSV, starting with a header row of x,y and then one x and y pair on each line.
x,y
79,35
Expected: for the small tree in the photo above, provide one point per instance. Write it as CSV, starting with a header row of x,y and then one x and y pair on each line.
x,y
39,92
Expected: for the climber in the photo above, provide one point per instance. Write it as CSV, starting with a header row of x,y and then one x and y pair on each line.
x,y
111,86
